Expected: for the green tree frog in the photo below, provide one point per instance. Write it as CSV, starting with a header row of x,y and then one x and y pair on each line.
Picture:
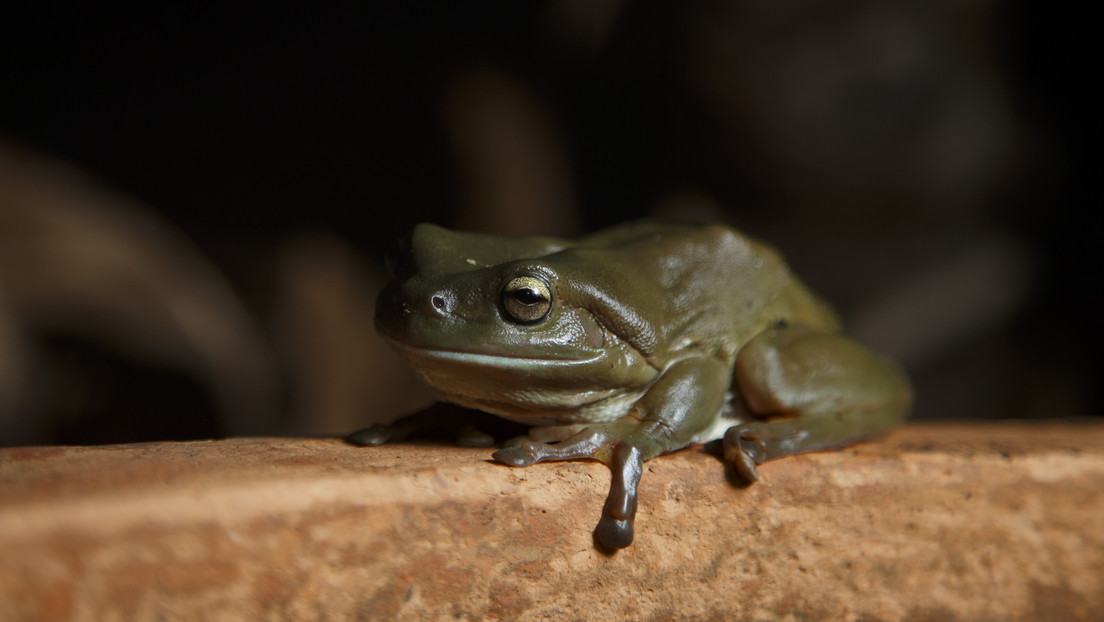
x,y
629,343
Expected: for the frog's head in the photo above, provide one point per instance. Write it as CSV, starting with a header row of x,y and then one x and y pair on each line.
x,y
517,326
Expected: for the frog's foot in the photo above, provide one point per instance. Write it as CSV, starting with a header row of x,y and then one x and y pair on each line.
x,y
588,443
469,428
744,449
544,434
555,433
375,435
623,453
471,436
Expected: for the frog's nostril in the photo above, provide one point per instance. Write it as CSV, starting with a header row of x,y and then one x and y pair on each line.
x,y
439,303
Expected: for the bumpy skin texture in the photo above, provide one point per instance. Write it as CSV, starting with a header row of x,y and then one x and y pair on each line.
x,y
629,343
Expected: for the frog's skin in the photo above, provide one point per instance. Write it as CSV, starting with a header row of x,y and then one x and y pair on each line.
x,y
632,342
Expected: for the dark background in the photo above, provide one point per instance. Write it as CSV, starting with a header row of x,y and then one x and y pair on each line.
x,y
874,143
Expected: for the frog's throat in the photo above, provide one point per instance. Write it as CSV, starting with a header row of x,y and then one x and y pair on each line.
x,y
545,409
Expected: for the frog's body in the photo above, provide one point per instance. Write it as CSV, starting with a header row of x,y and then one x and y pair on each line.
x,y
632,342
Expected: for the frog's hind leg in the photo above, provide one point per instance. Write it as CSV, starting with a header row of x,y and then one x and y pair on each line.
x,y
812,390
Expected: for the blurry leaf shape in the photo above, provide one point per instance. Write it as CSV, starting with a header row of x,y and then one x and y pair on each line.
x,y
944,305
513,167
79,260
13,371
343,375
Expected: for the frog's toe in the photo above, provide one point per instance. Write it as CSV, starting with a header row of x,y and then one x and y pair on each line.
x,y
471,436
376,434
744,453
744,466
517,456
516,441
614,533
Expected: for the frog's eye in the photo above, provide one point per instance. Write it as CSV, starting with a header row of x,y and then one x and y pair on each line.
x,y
526,299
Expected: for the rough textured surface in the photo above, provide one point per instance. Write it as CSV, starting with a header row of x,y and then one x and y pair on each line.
x,y
936,522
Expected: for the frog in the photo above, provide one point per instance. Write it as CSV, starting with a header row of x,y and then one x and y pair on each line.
x,y
631,342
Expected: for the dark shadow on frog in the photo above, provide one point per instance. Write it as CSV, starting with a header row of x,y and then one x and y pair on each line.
x,y
446,423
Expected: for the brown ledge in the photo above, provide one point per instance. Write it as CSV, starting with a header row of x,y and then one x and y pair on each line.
x,y
937,522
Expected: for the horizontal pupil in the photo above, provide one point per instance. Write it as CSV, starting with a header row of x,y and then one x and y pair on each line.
x,y
528,296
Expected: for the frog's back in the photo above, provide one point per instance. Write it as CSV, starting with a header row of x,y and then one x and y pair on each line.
x,y
711,282
762,281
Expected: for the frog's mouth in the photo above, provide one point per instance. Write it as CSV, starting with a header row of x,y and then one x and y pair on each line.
x,y
565,384
545,390
516,361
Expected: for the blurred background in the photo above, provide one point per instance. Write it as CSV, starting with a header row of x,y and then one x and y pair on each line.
x,y
194,203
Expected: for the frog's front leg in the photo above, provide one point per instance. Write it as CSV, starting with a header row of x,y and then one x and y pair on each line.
x,y
682,403
825,390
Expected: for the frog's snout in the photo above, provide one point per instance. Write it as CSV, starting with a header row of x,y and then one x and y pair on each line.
x,y
396,305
